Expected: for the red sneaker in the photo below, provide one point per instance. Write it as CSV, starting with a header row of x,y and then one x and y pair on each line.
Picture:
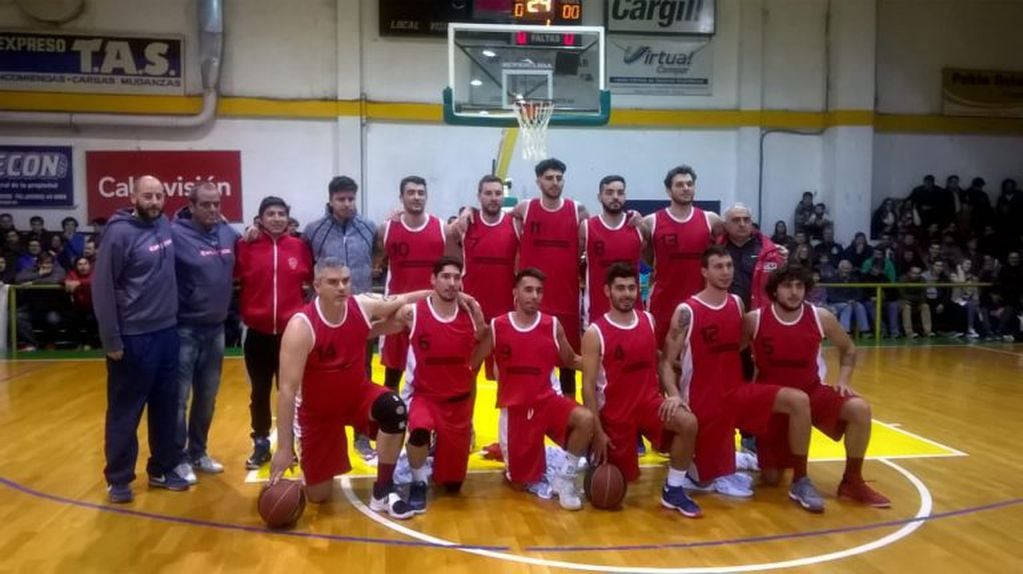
x,y
493,452
859,491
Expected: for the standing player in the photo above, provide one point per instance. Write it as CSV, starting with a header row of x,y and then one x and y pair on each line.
x,y
706,336
411,242
786,338
322,354
608,238
440,389
550,242
676,238
490,245
527,346
620,384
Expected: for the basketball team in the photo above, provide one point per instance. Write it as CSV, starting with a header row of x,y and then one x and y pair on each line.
x,y
728,343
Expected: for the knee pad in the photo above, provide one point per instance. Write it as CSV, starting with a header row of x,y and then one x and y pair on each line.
x,y
419,437
390,413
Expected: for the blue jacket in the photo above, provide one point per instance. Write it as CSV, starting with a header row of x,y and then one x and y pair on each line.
x,y
204,265
134,290
351,241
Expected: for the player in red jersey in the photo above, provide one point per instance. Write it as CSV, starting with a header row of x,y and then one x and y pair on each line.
x,y
675,240
620,384
527,346
786,337
411,241
490,244
607,238
443,330
706,337
549,241
323,351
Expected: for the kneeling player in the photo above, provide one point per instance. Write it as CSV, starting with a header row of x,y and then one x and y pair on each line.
x,y
322,356
620,383
527,346
786,340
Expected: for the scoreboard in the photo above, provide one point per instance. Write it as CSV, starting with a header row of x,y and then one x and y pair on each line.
x,y
431,17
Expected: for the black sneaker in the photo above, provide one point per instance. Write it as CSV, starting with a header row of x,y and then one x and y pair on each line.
x,y
169,480
417,497
260,454
119,493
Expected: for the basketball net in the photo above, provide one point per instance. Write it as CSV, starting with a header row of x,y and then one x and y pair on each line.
x,y
533,116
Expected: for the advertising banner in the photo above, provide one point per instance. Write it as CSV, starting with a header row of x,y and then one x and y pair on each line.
x,y
660,16
658,66
36,176
995,93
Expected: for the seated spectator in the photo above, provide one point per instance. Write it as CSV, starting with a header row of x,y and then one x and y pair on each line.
x,y
801,256
799,239
83,319
55,247
931,203
950,250
6,223
908,259
972,252
944,314
934,253
858,251
990,243
912,299
828,245
887,244
818,222
1009,214
804,209
98,225
36,230
28,259
89,251
884,220
878,269
1008,290
43,310
6,273
932,235
295,230
969,299
781,235
827,271
976,205
880,262
818,296
74,242
847,302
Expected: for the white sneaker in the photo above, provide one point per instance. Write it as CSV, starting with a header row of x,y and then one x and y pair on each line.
x,y
692,486
972,334
568,495
393,505
742,479
207,464
746,461
733,487
184,470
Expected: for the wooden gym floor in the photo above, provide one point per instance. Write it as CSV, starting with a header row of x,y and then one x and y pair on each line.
x,y
945,450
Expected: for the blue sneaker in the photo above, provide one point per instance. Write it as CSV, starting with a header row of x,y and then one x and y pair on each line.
x,y
260,453
120,493
169,480
803,493
675,497
417,497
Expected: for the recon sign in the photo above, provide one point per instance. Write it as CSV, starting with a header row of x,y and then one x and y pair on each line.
x,y
661,16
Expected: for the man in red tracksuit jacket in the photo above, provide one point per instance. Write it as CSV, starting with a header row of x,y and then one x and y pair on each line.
x,y
271,271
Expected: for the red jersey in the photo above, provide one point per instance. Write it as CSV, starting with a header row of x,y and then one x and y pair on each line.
x,y
789,354
525,359
439,352
711,366
411,254
488,253
628,365
337,359
550,242
678,246
271,274
604,247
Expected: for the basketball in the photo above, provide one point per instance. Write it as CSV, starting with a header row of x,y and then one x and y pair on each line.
x,y
605,487
281,504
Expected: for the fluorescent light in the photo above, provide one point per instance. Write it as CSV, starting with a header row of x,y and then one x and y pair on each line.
x,y
490,53
476,83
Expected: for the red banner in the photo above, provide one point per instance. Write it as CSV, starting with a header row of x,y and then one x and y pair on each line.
x,y
111,175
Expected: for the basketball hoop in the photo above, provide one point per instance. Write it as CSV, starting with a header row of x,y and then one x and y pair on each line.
x,y
533,116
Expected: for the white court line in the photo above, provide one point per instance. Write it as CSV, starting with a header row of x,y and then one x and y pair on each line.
x,y
999,351
955,452
926,506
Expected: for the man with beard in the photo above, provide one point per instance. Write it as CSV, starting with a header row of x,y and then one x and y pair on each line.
x,y
676,238
608,238
527,346
135,295
412,242
443,330
705,337
786,338
621,387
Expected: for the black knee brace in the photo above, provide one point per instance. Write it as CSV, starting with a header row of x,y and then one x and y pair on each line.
x,y
390,413
419,437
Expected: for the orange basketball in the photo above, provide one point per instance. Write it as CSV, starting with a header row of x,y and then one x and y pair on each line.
x,y
605,486
281,504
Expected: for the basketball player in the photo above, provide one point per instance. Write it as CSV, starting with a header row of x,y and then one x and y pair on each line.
x,y
490,244
440,388
527,346
786,338
620,384
549,241
607,238
412,241
706,336
322,355
675,240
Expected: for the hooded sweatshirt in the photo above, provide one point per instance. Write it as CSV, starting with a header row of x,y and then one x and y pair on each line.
x,y
134,290
350,240
204,265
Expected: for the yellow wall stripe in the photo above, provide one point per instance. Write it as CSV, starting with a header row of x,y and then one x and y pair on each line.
x,y
432,113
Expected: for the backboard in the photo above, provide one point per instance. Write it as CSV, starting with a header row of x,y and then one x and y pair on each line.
x,y
491,65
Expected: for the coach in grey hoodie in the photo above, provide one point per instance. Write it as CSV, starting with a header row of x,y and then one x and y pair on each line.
x,y
135,296
204,265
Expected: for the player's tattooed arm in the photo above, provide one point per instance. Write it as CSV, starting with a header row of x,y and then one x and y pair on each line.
x,y
381,307
846,348
674,347
395,323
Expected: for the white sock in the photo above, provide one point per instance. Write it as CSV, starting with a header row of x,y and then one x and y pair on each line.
x,y
571,465
420,474
675,477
